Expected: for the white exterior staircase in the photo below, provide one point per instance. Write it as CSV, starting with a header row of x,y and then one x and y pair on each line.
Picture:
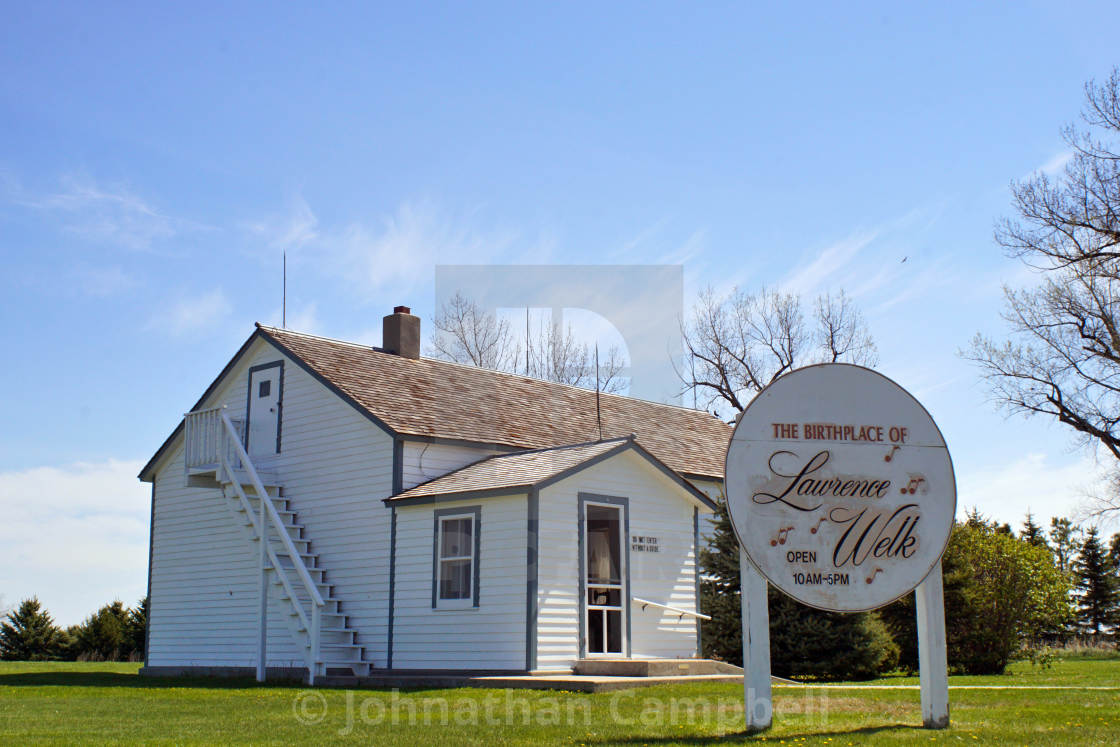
x,y
290,569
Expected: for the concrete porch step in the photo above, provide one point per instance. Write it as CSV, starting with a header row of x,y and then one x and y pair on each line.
x,y
569,682
653,667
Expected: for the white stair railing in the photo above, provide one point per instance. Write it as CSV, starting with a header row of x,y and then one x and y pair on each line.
x,y
680,613
212,439
205,439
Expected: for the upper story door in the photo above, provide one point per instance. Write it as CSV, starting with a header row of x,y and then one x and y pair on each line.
x,y
263,410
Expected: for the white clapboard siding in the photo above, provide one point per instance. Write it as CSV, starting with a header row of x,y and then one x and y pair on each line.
x,y
425,461
711,488
658,508
204,602
335,467
491,636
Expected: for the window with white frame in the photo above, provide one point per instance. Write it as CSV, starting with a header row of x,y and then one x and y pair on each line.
x,y
456,558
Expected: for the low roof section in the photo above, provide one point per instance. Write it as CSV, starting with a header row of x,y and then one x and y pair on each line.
x,y
527,470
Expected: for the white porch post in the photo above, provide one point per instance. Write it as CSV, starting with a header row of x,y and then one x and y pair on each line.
x,y
756,647
932,659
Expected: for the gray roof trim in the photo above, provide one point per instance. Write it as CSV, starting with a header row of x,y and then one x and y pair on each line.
x,y
262,333
466,495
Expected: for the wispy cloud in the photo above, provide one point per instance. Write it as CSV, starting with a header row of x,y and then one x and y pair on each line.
x,y
75,535
396,252
1056,164
304,318
103,282
880,267
402,251
919,280
291,228
638,244
828,264
102,213
691,248
190,314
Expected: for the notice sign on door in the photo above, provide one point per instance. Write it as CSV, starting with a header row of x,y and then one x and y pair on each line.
x,y
840,487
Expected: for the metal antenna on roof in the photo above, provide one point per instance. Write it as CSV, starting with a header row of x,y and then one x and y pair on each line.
x,y
284,294
692,369
598,411
526,340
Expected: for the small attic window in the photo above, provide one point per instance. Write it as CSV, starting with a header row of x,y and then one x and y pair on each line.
x,y
264,389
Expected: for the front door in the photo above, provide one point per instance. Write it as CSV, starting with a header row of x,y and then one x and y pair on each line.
x,y
604,561
263,411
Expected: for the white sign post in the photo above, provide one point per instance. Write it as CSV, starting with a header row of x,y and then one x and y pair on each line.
x,y
842,494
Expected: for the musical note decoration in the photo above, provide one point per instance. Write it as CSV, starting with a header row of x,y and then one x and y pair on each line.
x,y
890,454
912,486
814,530
780,539
874,573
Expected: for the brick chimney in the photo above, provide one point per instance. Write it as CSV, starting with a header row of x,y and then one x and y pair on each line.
x,y
400,333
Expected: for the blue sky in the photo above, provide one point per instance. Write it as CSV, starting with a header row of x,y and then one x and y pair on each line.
x,y
155,162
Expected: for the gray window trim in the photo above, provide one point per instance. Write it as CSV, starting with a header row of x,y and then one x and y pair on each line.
x,y
624,503
532,552
392,584
437,515
470,495
279,399
398,466
398,471
696,574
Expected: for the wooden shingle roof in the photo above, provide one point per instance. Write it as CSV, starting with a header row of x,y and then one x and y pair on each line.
x,y
441,400
519,470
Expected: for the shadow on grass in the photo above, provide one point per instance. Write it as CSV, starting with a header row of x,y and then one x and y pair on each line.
x,y
117,679
863,731
77,678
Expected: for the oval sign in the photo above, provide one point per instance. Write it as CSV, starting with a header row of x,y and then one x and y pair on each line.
x,y
840,487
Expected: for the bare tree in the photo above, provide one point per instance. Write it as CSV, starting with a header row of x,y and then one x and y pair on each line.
x,y
555,354
738,344
842,333
1062,357
1073,219
465,333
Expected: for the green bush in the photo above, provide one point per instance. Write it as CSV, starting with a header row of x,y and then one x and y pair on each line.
x,y
103,635
29,634
806,642
1002,595
803,641
136,630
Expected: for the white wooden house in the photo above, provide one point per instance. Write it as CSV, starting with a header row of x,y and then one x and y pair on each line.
x,y
422,515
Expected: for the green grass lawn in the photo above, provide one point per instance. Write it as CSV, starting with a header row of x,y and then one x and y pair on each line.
x,y
67,702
